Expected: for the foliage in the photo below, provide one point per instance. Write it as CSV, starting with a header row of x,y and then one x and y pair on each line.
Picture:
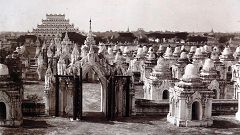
x,y
225,38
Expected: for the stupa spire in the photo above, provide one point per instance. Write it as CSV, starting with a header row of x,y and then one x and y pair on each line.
x,y
90,25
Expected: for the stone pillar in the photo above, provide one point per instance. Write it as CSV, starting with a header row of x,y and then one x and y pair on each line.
x,y
46,101
238,112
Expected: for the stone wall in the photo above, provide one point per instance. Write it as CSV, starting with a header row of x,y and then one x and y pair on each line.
x,y
33,109
151,107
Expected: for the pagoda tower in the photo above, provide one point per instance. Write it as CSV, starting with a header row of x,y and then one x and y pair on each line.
x,y
198,59
136,65
190,101
191,52
228,60
177,52
10,99
160,80
236,78
53,25
212,79
178,68
236,81
149,63
160,51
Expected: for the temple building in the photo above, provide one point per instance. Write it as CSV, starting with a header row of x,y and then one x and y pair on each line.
x,y
53,25
190,100
236,80
10,100
160,81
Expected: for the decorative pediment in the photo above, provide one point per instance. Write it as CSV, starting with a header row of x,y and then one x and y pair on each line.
x,y
4,97
196,96
214,85
165,85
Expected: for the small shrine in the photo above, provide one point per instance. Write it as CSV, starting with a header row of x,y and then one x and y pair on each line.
x,y
190,101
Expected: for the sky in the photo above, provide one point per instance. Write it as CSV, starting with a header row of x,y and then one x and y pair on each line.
x,y
118,15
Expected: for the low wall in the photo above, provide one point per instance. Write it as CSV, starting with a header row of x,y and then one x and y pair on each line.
x,y
30,108
151,107
224,107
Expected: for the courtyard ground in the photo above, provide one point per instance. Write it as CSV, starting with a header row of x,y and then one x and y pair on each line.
x,y
223,125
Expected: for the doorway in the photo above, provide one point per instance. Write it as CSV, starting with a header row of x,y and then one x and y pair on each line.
x,y
92,94
165,94
215,94
2,111
196,111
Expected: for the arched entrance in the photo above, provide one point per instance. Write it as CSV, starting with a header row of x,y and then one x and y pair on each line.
x,y
94,90
165,94
196,111
2,111
92,93
115,92
215,94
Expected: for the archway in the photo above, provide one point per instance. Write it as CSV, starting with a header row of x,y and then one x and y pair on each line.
x,y
165,94
2,111
171,72
196,111
215,94
200,68
94,89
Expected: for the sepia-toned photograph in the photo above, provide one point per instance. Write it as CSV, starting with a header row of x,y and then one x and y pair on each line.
x,y
119,67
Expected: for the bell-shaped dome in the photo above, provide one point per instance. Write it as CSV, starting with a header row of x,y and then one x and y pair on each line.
x,y
115,48
160,67
208,65
151,56
161,48
193,49
150,49
182,47
168,52
3,70
161,70
125,50
202,49
191,71
183,60
227,55
121,48
216,49
145,49
161,61
139,51
237,50
198,52
183,55
177,51
110,51
207,48
226,51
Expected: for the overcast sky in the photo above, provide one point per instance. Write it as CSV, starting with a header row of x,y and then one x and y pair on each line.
x,y
173,15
